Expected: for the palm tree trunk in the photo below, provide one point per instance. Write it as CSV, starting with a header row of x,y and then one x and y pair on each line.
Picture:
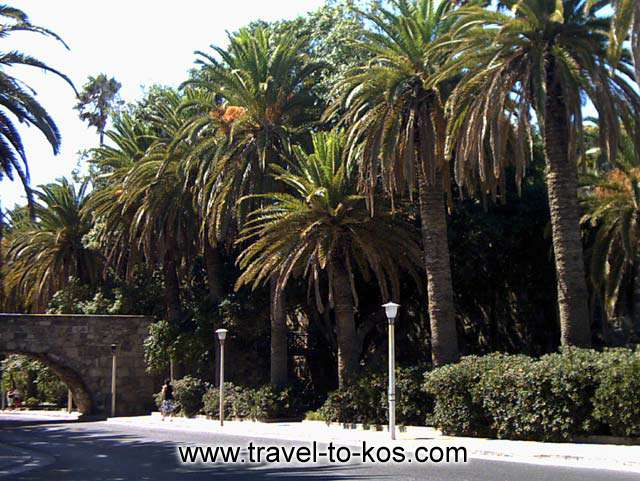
x,y
348,352
171,287
213,263
635,40
444,338
562,189
279,355
636,297
2,297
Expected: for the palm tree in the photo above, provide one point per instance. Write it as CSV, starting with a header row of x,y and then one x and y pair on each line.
x,y
43,253
265,83
397,127
142,210
106,207
204,125
17,100
323,228
626,19
164,223
546,57
612,204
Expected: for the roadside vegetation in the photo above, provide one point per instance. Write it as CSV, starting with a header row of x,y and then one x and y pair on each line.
x,y
476,162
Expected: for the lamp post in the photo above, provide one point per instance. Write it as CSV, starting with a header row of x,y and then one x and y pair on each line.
x,y
222,334
391,310
3,396
114,350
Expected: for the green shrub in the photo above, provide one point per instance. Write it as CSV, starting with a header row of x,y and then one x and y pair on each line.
x,y
457,411
265,402
557,397
617,397
188,393
313,416
547,399
413,405
361,402
268,402
211,401
365,401
238,401
32,402
339,407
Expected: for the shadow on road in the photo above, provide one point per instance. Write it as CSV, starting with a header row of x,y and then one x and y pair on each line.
x,y
90,454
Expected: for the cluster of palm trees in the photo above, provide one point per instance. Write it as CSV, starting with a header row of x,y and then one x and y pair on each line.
x,y
248,156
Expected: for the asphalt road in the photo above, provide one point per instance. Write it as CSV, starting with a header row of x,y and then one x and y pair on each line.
x,y
100,451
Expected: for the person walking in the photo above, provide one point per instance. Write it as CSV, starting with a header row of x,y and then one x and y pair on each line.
x,y
167,407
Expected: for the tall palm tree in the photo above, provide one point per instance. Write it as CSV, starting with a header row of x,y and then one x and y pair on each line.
x,y
142,209
165,224
204,128
626,19
266,85
546,57
323,229
18,102
612,204
397,127
43,253
106,207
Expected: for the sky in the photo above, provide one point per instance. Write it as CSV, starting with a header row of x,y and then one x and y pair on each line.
x,y
139,42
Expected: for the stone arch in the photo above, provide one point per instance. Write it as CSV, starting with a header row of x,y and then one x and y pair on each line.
x,y
81,394
77,348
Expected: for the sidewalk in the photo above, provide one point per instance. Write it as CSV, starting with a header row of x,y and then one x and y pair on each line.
x,y
600,456
57,414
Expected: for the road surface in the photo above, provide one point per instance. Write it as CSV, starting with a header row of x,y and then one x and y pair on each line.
x,y
100,451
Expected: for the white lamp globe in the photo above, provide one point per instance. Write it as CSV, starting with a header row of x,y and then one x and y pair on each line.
x,y
391,309
222,334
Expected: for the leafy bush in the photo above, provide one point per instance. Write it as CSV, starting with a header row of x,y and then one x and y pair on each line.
x,y
238,401
617,402
413,405
557,397
456,410
273,403
265,402
31,402
188,393
313,416
365,401
547,399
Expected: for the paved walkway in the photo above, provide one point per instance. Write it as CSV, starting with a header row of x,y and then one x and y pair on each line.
x,y
622,458
61,414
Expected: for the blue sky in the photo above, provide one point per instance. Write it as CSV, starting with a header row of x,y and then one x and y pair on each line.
x,y
140,42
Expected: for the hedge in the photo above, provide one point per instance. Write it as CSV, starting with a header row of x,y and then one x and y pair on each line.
x,y
556,397
365,401
617,397
188,393
457,410
265,402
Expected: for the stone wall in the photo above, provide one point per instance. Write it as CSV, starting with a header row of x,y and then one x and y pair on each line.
x,y
78,350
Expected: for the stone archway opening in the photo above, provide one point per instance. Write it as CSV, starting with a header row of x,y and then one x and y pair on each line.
x,y
81,395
